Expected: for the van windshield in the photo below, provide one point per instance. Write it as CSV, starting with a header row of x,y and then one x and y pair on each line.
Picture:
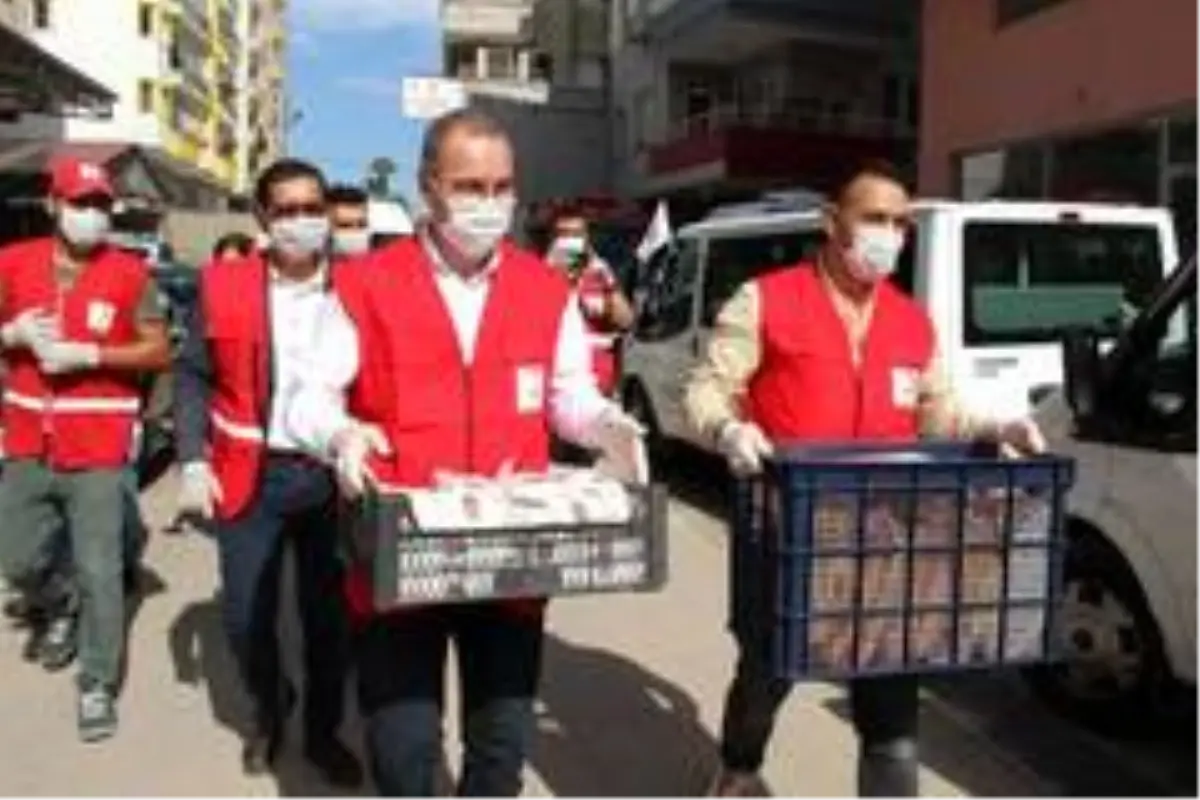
x,y
734,260
1026,282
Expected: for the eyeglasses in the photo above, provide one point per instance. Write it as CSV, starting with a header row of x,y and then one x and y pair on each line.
x,y
314,209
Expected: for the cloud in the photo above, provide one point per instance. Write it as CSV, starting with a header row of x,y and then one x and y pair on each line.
x,y
363,15
371,86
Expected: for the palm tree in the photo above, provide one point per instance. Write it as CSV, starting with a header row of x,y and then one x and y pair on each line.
x,y
379,176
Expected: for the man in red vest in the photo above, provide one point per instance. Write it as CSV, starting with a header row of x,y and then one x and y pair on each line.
x,y
255,321
830,352
80,323
606,311
456,352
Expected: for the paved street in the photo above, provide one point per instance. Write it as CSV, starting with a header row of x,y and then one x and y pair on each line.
x,y
631,702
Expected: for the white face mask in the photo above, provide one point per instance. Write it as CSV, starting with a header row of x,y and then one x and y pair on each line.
x,y
84,228
568,250
351,242
477,224
300,236
875,252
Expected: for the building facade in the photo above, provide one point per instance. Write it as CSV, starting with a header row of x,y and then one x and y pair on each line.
x,y
722,99
174,66
1070,99
262,113
488,45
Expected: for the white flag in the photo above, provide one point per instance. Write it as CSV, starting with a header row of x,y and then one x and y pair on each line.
x,y
658,234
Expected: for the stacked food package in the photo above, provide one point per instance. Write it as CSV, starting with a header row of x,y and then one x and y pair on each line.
x,y
908,577
565,531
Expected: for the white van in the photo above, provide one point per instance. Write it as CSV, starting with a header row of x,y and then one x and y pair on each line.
x,y
1128,622
999,279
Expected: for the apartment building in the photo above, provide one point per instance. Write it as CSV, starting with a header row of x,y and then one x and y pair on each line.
x,y
488,45
176,67
722,99
1071,99
261,108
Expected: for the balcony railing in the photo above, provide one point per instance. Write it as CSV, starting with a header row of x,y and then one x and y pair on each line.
x,y
827,121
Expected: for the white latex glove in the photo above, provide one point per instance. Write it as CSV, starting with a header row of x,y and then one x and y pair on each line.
x,y
33,329
1021,437
199,490
58,357
621,441
351,447
744,446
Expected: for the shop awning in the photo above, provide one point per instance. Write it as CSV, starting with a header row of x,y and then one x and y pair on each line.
x,y
35,81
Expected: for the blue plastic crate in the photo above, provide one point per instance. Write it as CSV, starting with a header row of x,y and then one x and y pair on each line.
x,y
882,559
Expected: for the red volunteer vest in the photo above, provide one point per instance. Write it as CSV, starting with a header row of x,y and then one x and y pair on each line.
x,y
594,286
808,388
233,295
440,413
82,420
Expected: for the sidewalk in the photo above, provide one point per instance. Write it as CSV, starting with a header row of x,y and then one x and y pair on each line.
x,y
631,699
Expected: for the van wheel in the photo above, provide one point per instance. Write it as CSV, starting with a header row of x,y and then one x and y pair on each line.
x,y
637,405
1113,673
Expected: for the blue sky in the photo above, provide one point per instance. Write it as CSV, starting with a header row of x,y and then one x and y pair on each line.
x,y
346,62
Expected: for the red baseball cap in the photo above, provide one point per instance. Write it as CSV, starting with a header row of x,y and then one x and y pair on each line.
x,y
73,178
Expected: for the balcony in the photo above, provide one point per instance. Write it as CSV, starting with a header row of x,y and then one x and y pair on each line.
x,y
728,31
772,146
499,21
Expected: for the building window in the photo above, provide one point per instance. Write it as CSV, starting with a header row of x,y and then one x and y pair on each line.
x,y
1010,173
146,20
41,14
146,96
1117,165
1009,11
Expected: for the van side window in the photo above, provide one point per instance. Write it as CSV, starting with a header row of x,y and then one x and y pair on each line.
x,y
1026,282
670,296
734,261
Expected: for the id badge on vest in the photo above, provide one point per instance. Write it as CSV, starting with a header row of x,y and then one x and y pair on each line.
x,y
100,317
531,389
906,387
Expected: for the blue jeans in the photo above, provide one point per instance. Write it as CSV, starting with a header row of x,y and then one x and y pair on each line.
x,y
295,505
401,670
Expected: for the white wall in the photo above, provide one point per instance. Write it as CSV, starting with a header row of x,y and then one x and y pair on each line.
x,y
101,39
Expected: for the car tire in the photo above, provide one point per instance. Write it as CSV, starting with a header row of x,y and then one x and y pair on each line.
x,y
1114,676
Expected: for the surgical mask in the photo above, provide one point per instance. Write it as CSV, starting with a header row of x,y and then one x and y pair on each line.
x,y
477,224
875,252
351,242
83,227
569,251
300,236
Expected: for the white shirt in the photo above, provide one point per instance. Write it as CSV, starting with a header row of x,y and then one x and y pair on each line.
x,y
296,314
317,410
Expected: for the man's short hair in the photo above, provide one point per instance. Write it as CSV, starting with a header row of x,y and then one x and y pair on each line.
x,y
868,168
471,120
235,240
343,194
282,171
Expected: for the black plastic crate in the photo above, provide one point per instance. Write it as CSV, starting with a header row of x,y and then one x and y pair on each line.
x,y
883,559
412,566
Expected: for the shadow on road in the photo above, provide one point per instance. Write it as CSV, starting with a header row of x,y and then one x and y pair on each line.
x,y
609,728
984,733
201,655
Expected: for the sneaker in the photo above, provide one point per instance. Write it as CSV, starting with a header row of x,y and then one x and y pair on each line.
x,y
58,645
97,713
731,783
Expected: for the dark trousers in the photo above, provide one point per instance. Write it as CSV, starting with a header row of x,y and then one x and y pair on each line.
x,y
295,504
401,666
884,712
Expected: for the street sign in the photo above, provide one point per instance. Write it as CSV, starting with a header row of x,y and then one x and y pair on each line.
x,y
429,98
